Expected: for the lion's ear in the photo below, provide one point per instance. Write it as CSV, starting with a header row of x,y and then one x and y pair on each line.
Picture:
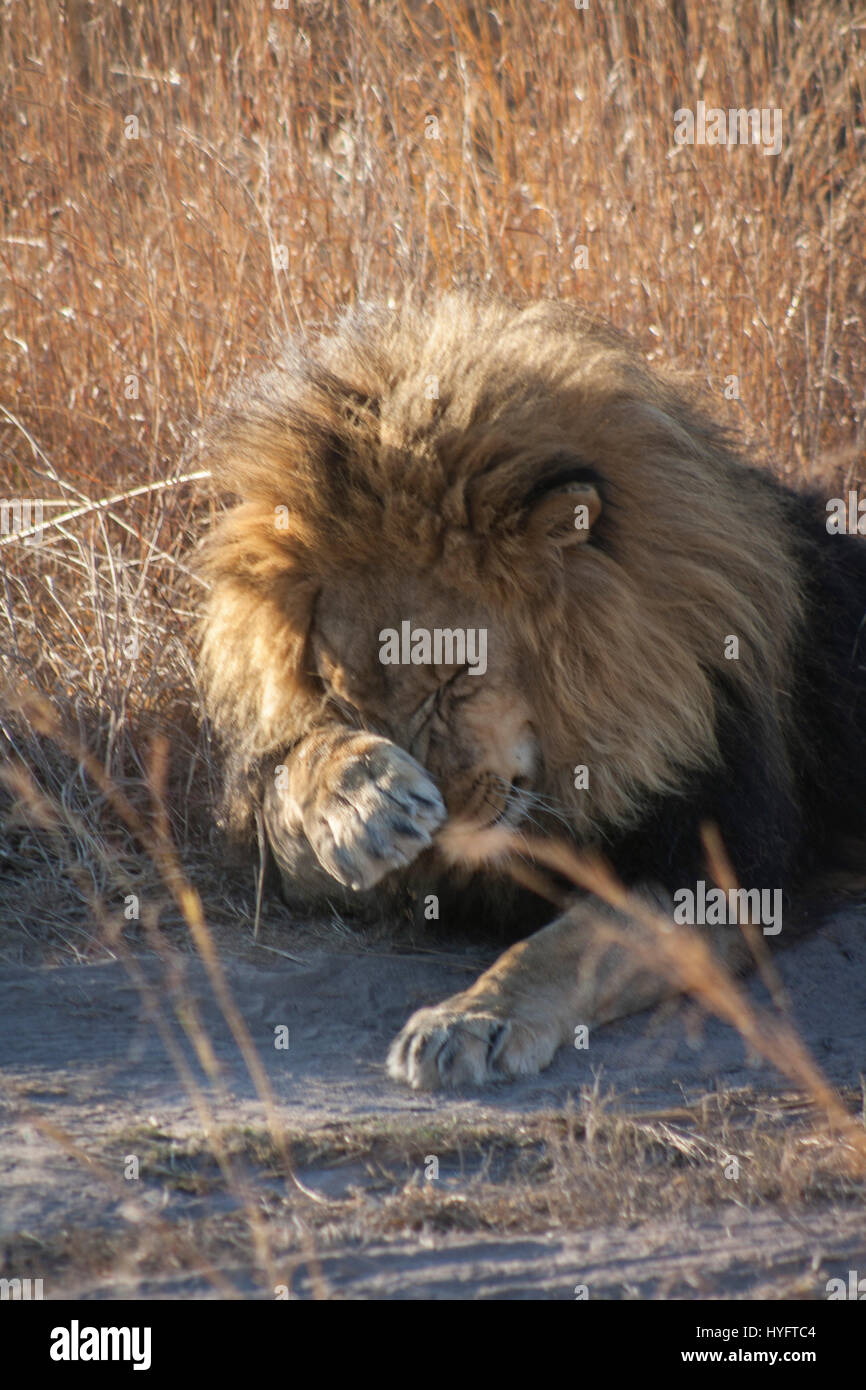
x,y
565,515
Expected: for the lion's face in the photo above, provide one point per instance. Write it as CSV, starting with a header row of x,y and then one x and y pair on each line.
x,y
461,713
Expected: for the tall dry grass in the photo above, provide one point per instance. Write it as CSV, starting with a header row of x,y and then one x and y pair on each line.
x,y
183,183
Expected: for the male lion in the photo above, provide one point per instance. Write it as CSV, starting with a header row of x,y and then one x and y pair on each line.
x,y
481,547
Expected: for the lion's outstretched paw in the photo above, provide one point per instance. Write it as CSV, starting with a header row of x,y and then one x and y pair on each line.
x,y
456,1044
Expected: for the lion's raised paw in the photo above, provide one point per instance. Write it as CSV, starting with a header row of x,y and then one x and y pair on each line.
x,y
383,814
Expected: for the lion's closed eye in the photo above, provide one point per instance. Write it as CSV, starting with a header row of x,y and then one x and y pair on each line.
x,y
452,690
423,712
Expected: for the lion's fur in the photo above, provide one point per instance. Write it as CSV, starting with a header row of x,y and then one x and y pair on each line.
x,y
409,439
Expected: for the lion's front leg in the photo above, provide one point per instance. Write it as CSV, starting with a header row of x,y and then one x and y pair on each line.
x,y
362,804
512,1020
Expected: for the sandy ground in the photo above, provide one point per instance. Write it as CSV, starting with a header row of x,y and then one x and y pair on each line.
x,y
85,1074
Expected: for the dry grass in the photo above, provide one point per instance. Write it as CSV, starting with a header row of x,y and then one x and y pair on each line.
x,y
140,275
282,166
591,1168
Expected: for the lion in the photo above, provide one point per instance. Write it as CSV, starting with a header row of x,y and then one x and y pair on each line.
x,y
489,569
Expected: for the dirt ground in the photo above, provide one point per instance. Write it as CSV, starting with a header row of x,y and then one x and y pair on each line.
x,y
609,1176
